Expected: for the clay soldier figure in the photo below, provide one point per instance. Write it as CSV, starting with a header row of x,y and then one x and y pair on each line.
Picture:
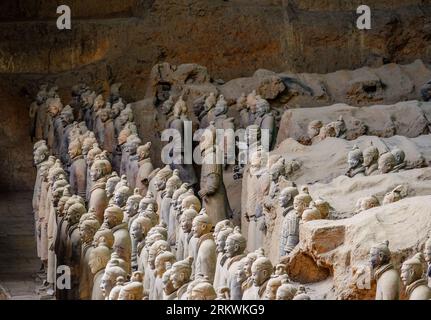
x,y
73,249
107,139
66,116
88,143
116,109
145,168
285,199
87,98
138,231
159,182
112,272
265,120
261,273
203,291
87,229
185,233
99,258
220,240
355,161
412,272
290,229
388,281
122,193
371,157
180,276
37,113
286,291
313,131
212,192
206,249
155,249
366,203
248,291
40,157
111,184
396,194
235,246
386,162
89,158
113,219
131,213
100,171
132,291
207,115
78,169
169,292
132,166
54,125
399,156
176,123
164,260
242,108
427,255
99,104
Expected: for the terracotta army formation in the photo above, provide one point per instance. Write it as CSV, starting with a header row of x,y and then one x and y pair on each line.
x,y
130,227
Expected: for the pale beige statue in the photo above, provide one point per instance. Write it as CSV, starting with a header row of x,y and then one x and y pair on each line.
x,y
113,219
248,284
203,291
220,240
371,157
396,194
206,249
261,273
97,262
355,161
366,203
388,279
180,276
78,169
235,246
146,168
169,291
185,233
132,291
286,291
164,261
109,278
100,171
412,276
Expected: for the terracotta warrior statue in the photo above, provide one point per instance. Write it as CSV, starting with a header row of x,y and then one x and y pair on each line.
x,y
129,160
203,291
235,246
248,290
87,230
272,287
366,203
121,195
286,291
212,192
131,208
205,249
113,219
265,120
399,156
109,278
290,228
38,113
138,232
133,290
120,151
78,169
97,262
371,157
89,158
180,276
99,173
156,248
73,248
169,292
396,194
355,160
185,233
164,261
388,280
55,126
207,115
160,180
145,168
119,122
107,136
386,162
261,273
412,272
220,240
111,184
66,116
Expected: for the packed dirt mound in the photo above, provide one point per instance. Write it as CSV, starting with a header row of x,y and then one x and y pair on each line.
x,y
410,119
341,247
